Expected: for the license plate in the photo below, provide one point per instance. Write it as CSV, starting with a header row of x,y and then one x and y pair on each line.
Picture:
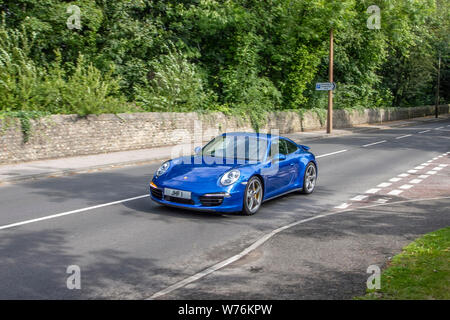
x,y
177,193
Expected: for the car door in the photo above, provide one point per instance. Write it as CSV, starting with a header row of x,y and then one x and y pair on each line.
x,y
279,174
294,163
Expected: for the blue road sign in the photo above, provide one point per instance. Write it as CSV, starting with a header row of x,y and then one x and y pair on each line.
x,y
325,86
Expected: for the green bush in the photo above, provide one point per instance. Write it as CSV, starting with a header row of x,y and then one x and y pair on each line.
x,y
173,84
240,56
24,86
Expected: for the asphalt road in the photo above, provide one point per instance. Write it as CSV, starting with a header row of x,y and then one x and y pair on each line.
x,y
134,249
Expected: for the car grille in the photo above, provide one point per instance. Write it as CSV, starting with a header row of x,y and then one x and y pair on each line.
x,y
179,200
211,201
157,193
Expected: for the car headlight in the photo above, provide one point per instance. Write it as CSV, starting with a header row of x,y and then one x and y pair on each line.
x,y
230,177
161,170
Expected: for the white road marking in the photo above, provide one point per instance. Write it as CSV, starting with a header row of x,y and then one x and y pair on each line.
x,y
342,206
53,216
395,192
329,154
438,128
430,161
435,158
395,179
374,143
405,136
443,165
382,200
384,185
403,175
431,172
359,197
424,131
406,186
373,190
425,164
423,176
412,171
416,181
437,168
260,242
419,167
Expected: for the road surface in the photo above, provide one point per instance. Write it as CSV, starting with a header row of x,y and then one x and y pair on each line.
x,y
128,247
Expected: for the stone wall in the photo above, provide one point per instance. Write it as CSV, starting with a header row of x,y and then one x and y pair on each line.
x,y
69,135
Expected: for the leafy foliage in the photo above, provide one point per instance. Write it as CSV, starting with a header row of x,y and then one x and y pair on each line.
x,y
236,56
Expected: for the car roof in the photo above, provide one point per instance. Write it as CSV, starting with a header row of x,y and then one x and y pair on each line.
x,y
260,135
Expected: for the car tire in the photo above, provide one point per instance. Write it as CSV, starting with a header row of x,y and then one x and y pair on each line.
x,y
309,179
253,196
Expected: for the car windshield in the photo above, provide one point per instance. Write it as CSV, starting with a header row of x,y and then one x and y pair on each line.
x,y
248,148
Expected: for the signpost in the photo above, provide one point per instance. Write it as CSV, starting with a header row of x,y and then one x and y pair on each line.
x,y
329,86
330,92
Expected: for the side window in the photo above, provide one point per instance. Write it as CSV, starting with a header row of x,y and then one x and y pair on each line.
x,y
274,149
279,146
291,147
283,147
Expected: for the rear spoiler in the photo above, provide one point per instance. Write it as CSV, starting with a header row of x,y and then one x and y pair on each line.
x,y
306,148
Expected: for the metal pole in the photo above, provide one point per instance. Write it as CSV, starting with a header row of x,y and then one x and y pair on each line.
x,y
436,109
330,92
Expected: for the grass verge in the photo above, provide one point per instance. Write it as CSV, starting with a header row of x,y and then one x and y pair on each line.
x,y
420,272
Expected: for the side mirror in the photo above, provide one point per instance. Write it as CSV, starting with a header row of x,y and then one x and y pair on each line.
x,y
198,150
279,157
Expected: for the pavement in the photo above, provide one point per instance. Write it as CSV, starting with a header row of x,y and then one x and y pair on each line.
x,y
83,164
371,199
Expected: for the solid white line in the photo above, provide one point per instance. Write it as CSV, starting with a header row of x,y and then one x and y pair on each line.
x,y
424,131
408,135
374,143
438,128
330,154
261,241
53,216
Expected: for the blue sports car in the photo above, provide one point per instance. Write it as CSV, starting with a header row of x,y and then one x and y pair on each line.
x,y
235,172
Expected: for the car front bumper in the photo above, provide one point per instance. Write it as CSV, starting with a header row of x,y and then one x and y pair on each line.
x,y
227,200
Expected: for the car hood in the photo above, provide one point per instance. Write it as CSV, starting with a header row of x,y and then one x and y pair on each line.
x,y
198,169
